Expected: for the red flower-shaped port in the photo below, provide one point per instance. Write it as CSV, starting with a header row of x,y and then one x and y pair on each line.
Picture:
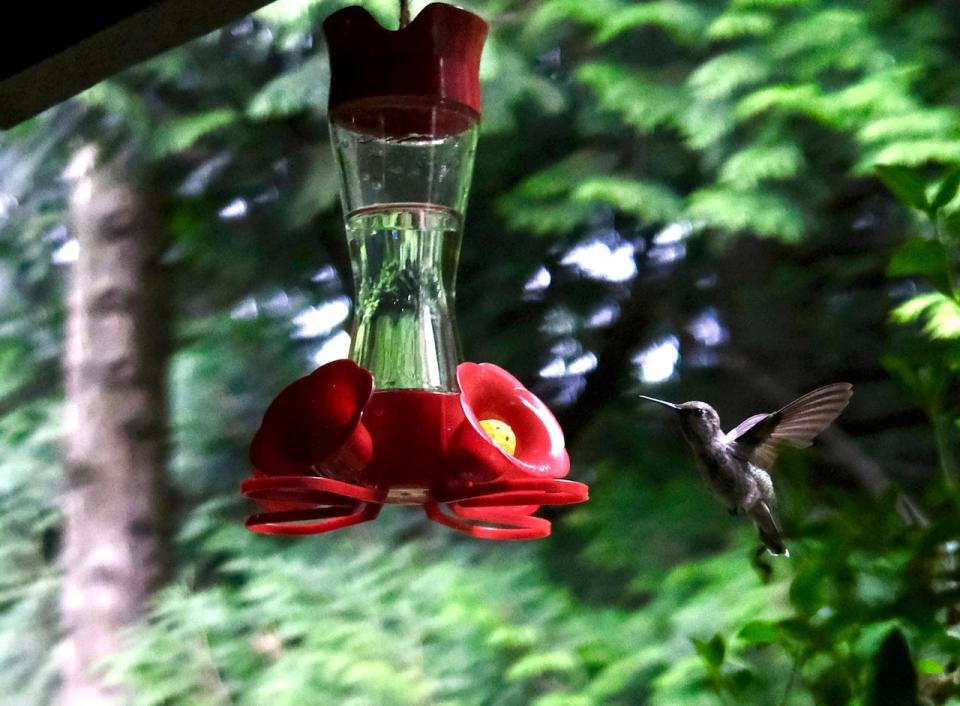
x,y
313,428
495,491
488,392
331,451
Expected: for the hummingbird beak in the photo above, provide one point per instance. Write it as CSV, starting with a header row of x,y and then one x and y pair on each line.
x,y
671,405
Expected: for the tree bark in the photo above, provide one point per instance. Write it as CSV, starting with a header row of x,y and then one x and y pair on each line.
x,y
115,500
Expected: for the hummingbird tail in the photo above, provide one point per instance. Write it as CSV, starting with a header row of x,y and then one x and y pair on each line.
x,y
770,533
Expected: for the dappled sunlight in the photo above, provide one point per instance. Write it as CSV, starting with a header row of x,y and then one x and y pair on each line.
x,y
66,253
609,259
658,362
234,210
334,348
318,320
580,365
707,329
668,245
538,282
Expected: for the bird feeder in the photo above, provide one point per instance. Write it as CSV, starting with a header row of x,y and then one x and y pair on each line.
x,y
402,420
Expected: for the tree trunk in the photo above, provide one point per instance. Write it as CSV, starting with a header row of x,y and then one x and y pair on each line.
x,y
115,500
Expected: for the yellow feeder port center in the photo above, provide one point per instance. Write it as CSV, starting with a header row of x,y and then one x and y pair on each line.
x,y
501,433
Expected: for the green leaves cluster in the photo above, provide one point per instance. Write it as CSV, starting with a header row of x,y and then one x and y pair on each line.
x,y
364,621
932,374
730,106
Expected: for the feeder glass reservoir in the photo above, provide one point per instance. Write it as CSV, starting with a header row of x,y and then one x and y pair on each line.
x,y
404,195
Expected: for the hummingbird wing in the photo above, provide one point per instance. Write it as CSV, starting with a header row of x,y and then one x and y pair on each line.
x,y
758,439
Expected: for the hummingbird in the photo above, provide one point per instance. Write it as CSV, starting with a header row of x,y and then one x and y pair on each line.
x,y
735,465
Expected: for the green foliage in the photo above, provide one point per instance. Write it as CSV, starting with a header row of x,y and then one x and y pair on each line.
x,y
734,210
711,652
541,203
300,89
646,201
683,21
29,586
637,98
932,373
721,76
941,314
370,622
757,163
758,632
180,135
905,184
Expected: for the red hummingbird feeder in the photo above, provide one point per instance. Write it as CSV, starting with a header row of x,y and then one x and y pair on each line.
x,y
403,421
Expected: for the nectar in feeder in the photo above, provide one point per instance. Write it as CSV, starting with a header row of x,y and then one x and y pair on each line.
x,y
403,421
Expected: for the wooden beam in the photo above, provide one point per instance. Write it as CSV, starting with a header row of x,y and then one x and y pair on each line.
x,y
89,45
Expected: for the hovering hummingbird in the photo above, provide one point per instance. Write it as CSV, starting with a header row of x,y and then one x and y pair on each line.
x,y
735,465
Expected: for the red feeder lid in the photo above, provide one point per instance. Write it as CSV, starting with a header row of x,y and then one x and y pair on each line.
x,y
433,61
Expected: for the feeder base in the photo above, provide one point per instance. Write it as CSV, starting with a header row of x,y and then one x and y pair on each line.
x,y
498,510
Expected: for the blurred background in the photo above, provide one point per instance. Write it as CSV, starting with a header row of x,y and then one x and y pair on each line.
x,y
731,200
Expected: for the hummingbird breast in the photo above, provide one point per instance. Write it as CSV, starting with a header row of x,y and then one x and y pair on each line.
x,y
725,475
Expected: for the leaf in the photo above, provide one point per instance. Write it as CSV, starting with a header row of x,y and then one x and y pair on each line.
x,y
929,666
684,21
905,183
178,135
291,15
872,636
116,98
503,99
920,256
831,38
946,191
734,210
539,664
741,23
760,162
542,203
711,652
559,178
648,201
943,319
556,699
722,75
802,98
919,123
942,314
914,308
926,381
912,152
619,675
514,637
642,101
303,88
554,12
759,632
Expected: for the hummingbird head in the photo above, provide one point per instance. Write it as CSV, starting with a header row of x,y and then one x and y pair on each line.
x,y
698,420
